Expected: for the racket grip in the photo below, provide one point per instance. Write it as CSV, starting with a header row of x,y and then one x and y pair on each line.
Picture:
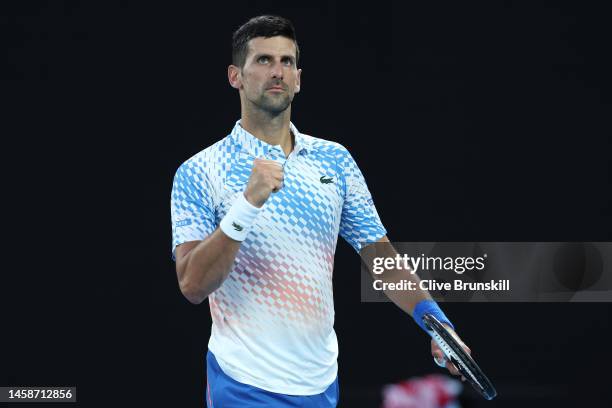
x,y
429,306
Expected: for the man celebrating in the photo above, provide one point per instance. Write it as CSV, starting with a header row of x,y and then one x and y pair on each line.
x,y
255,219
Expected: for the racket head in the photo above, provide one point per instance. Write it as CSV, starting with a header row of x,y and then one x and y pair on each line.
x,y
455,353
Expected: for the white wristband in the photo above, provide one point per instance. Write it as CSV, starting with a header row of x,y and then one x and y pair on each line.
x,y
238,221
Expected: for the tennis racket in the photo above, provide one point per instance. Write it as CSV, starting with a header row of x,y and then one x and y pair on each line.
x,y
462,360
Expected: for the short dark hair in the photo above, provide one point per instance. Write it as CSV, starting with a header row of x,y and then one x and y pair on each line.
x,y
261,26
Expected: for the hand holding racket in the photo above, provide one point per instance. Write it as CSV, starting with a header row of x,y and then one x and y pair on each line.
x,y
440,358
447,348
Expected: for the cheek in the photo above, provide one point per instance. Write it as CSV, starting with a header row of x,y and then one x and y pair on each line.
x,y
253,81
254,75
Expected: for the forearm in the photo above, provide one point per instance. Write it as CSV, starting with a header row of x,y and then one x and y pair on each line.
x,y
408,299
404,299
411,299
207,266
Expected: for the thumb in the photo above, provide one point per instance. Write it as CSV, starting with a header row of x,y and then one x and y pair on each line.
x,y
440,359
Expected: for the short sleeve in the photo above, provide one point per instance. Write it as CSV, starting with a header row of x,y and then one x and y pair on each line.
x,y
191,206
359,223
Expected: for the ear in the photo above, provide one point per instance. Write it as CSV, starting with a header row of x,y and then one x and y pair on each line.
x,y
234,76
298,82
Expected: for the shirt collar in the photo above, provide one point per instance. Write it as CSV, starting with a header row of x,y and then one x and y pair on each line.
x,y
258,148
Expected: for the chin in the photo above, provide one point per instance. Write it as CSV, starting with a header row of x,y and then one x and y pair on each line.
x,y
278,107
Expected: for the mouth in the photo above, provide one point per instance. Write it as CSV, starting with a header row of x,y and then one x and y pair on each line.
x,y
276,89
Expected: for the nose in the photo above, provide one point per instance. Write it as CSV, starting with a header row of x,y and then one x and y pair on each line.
x,y
276,70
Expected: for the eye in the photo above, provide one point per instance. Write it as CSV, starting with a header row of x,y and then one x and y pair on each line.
x,y
288,62
263,59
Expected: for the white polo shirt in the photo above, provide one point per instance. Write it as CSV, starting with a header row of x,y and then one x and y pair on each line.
x,y
273,316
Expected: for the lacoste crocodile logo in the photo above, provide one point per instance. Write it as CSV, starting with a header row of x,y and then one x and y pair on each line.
x,y
237,227
326,180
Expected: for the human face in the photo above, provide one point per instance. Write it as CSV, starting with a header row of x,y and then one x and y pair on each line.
x,y
269,78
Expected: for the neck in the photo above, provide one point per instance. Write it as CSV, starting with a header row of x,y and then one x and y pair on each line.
x,y
271,129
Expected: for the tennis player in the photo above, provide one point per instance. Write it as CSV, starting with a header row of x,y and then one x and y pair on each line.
x,y
255,222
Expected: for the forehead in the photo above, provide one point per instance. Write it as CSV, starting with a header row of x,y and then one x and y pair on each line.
x,y
275,46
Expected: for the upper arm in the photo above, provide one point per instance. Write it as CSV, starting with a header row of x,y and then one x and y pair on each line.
x,y
359,222
379,249
192,208
366,249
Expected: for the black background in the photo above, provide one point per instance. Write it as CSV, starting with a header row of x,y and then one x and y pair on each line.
x,y
488,121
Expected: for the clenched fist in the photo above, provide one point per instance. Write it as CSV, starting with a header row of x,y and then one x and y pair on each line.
x,y
266,178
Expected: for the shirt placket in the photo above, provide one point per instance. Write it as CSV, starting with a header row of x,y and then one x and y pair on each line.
x,y
276,154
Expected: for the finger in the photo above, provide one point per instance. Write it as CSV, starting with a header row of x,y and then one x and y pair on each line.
x,y
265,163
452,369
438,354
440,361
272,163
277,186
277,173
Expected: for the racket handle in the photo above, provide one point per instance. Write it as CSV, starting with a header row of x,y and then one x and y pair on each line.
x,y
429,306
